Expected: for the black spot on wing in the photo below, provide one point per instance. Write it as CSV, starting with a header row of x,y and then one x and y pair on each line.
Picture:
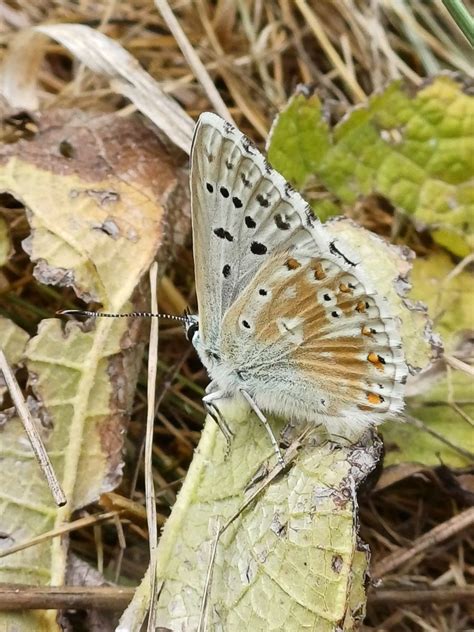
x,y
209,187
335,251
245,181
228,127
258,248
289,190
223,234
281,222
249,222
229,165
224,192
309,215
248,146
263,201
237,202
226,270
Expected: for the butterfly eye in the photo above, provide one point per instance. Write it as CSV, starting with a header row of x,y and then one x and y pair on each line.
x,y
191,331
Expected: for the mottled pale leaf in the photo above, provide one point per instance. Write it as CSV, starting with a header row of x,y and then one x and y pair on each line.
x,y
414,147
12,340
289,561
449,297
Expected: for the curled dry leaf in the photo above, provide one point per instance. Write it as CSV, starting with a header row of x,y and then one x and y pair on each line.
x,y
99,209
96,203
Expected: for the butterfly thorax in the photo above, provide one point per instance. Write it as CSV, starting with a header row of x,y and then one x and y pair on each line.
x,y
221,369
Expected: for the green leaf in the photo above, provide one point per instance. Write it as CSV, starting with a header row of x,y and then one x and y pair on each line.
x,y
413,147
445,408
448,295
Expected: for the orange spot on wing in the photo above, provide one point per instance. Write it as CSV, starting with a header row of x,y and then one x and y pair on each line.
x,y
373,398
319,272
368,331
344,288
360,307
376,360
292,264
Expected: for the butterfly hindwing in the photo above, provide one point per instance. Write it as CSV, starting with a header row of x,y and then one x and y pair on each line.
x,y
308,333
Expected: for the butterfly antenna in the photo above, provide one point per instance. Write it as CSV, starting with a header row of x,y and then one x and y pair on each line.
x,y
91,314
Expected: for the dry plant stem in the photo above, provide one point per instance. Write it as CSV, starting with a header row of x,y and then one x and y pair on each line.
x,y
20,597
149,484
333,56
234,85
193,60
32,433
439,534
430,596
67,528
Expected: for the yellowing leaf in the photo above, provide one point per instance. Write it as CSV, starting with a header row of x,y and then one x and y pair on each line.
x,y
95,203
445,408
441,398
449,297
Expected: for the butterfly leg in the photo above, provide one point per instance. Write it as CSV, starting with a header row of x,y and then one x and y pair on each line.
x,y
266,425
216,415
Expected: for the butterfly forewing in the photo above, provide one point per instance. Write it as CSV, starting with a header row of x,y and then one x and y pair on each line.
x,y
243,211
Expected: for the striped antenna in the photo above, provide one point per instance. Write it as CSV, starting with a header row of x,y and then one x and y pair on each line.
x,y
84,312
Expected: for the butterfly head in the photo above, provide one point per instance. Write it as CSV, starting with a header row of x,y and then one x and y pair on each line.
x,y
191,326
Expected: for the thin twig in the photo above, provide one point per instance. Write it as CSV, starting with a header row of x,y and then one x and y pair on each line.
x,y
149,484
333,55
32,432
438,534
53,533
437,596
193,60
21,597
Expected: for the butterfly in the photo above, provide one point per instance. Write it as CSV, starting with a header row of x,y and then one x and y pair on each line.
x,y
288,317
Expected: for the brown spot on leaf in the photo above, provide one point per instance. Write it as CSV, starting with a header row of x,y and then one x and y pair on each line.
x,y
336,563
